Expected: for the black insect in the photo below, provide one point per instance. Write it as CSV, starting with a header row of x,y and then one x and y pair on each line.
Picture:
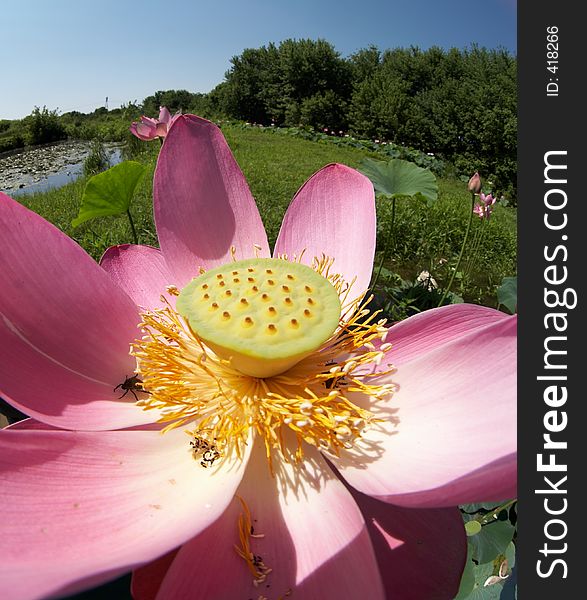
x,y
336,380
131,384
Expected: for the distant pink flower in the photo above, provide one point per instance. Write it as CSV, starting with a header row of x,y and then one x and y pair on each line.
x,y
148,129
484,207
91,488
474,185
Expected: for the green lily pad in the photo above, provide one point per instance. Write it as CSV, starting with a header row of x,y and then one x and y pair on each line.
x,y
491,541
396,178
468,576
507,293
473,508
110,192
480,590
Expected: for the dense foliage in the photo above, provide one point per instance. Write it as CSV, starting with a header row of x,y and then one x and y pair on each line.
x,y
42,126
457,104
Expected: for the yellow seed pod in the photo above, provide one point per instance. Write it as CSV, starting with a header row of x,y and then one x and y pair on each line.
x,y
262,314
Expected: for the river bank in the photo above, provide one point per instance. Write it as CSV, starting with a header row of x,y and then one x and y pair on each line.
x,y
45,167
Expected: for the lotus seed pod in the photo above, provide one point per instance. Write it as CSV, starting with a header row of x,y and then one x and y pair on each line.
x,y
264,315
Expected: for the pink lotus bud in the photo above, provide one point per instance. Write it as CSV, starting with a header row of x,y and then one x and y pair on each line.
x,y
474,185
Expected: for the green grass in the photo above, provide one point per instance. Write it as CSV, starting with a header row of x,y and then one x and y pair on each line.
x,y
426,236
276,167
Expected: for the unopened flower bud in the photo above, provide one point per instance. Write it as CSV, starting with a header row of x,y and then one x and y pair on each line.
x,y
474,185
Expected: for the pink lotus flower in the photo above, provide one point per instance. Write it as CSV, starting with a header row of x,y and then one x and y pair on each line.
x,y
92,489
148,129
484,207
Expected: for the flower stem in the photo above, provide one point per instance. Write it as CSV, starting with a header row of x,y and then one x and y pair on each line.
x,y
386,244
447,288
132,226
468,262
476,244
490,516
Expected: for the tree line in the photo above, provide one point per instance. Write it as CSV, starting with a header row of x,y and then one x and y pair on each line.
x,y
460,104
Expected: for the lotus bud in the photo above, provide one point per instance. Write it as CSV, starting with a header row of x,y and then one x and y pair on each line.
x,y
474,185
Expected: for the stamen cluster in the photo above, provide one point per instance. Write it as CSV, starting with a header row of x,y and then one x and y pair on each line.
x,y
189,384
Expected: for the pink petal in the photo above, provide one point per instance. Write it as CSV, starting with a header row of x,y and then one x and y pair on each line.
x,y
141,271
450,431
164,115
161,130
434,328
333,214
65,328
31,424
203,205
314,539
421,552
90,506
133,129
146,129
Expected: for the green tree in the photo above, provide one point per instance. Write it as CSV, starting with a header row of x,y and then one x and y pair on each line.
x,y
43,126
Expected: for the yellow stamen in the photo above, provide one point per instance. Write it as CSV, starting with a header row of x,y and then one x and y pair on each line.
x,y
193,386
255,563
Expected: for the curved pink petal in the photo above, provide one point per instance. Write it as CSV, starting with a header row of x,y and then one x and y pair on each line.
x,y
311,534
433,328
449,434
141,271
161,130
32,424
65,328
203,205
333,213
164,115
145,129
421,552
86,507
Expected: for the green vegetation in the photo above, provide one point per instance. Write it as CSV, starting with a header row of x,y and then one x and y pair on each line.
x,y
43,126
289,109
97,159
457,105
427,235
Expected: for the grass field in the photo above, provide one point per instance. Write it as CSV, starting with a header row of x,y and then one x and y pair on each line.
x,y
427,237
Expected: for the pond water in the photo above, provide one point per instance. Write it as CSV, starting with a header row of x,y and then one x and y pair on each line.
x,y
44,167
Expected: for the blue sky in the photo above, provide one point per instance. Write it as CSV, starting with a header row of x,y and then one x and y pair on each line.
x,y
71,54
